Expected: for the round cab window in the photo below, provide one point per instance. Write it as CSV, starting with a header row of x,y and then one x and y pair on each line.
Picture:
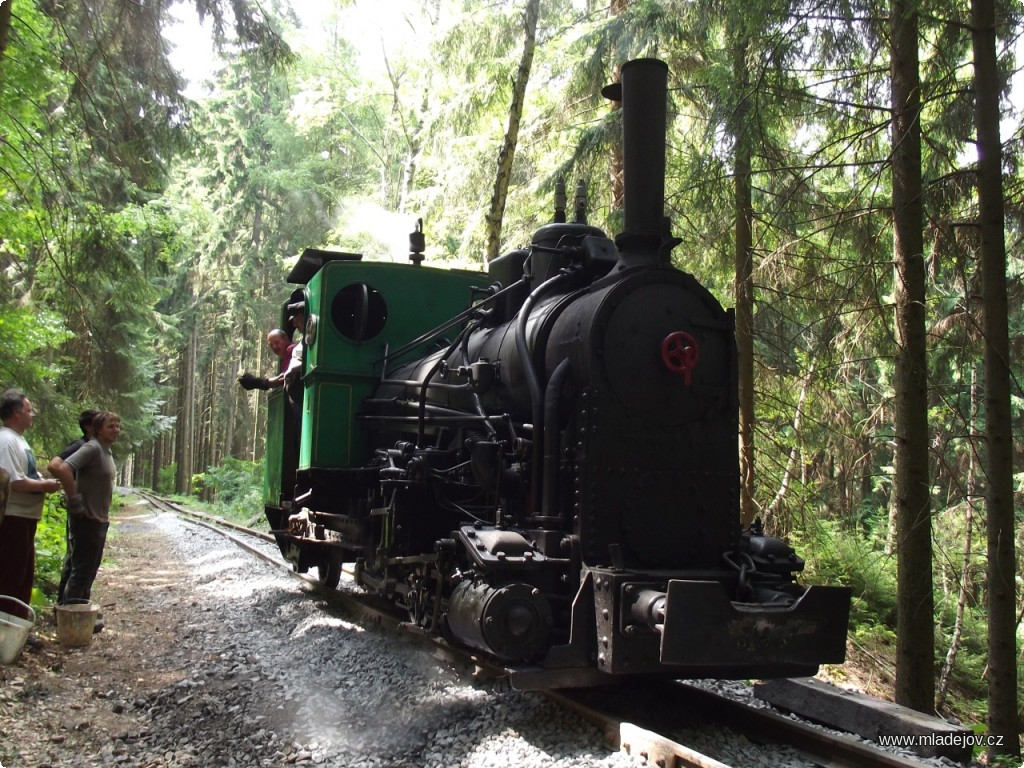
x,y
359,312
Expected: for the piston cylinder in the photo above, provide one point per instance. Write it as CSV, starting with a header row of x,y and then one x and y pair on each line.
x,y
511,622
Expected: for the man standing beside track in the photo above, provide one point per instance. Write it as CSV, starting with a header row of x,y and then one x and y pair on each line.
x,y
85,424
88,479
24,502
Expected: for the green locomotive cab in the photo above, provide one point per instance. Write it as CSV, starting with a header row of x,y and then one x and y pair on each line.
x,y
359,315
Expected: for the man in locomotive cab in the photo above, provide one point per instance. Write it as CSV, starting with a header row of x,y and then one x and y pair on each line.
x,y
290,366
291,376
280,344
293,387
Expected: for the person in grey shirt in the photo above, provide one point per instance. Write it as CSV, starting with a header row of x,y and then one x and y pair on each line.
x,y
87,476
85,424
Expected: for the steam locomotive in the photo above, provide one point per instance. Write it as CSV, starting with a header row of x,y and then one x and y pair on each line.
x,y
540,463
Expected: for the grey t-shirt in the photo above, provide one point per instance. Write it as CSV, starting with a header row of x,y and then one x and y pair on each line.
x,y
93,466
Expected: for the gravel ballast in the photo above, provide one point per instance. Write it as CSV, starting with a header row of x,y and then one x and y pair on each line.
x,y
212,657
222,660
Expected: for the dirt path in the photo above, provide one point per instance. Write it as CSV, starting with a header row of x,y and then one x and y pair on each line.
x,y
60,704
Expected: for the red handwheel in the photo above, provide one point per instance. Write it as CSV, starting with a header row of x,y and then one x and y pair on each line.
x,y
680,353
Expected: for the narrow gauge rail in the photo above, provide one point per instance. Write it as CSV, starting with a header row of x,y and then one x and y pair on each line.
x,y
667,708
345,600
626,717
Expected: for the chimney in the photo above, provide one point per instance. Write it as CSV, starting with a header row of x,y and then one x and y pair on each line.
x,y
643,93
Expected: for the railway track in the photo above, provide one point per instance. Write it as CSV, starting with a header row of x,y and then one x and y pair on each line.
x,y
651,717
648,720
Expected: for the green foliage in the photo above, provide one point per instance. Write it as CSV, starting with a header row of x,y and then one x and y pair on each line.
x,y
51,540
879,638
856,558
237,487
82,152
165,481
29,334
836,556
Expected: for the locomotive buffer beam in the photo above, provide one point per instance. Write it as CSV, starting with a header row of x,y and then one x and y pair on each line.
x,y
810,631
649,622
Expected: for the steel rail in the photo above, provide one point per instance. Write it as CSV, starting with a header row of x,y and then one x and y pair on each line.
x,y
760,723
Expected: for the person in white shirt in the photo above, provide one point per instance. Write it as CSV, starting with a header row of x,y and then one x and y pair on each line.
x,y
24,501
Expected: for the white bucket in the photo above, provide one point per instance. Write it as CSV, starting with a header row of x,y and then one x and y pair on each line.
x,y
14,631
76,622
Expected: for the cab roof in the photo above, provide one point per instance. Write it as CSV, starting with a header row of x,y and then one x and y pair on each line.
x,y
313,259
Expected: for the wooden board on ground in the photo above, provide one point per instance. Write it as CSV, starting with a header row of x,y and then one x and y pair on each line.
x,y
868,717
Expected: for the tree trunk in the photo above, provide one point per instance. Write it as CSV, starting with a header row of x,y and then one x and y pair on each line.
x,y
253,411
183,444
616,164
507,154
213,452
5,34
1002,601
744,214
890,529
867,471
154,477
966,577
138,463
915,643
233,443
771,513
208,440
413,147
408,181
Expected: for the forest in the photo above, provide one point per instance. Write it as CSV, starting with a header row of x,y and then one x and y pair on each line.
x,y
846,175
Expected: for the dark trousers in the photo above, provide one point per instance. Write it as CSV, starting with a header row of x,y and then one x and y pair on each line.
x,y
86,539
295,395
17,562
65,570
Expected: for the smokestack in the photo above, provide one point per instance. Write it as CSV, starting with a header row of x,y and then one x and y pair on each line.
x,y
643,93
